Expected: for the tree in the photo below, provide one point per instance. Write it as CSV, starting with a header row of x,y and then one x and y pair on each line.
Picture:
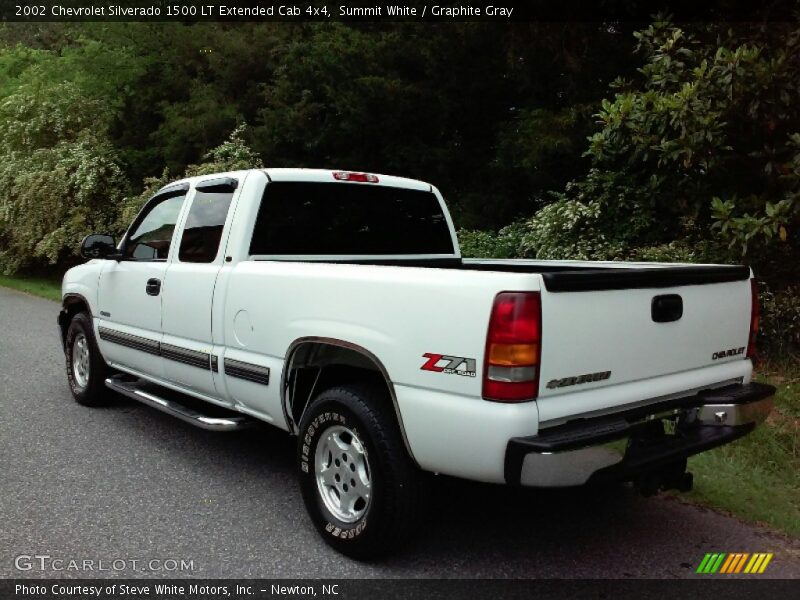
x,y
232,155
59,175
494,125
707,137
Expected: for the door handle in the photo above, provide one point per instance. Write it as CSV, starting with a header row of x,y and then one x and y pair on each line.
x,y
153,287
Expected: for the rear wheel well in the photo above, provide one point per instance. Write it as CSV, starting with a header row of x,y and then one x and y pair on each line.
x,y
315,366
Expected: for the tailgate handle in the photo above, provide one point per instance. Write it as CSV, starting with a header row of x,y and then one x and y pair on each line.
x,y
666,308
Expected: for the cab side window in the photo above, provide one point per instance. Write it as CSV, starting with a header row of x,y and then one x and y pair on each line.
x,y
153,235
203,231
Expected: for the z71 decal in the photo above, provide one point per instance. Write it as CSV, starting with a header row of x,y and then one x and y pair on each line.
x,y
451,365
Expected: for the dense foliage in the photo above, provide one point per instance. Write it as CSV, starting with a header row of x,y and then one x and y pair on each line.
x,y
695,159
549,140
496,115
59,175
703,146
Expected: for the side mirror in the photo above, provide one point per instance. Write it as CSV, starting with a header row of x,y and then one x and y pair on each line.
x,y
98,245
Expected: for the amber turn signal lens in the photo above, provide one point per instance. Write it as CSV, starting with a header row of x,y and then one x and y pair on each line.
x,y
512,355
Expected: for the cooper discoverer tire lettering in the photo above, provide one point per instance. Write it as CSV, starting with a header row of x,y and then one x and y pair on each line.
x,y
359,486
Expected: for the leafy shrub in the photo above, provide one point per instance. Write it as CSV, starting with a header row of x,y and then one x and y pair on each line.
x,y
60,177
779,331
673,252
232,155
505,243
567,229
708,132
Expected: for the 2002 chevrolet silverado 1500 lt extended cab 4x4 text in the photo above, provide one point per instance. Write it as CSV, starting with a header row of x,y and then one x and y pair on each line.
x,y
336,306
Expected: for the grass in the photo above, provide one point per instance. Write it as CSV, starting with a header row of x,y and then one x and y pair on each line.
x,y
37,286
756,478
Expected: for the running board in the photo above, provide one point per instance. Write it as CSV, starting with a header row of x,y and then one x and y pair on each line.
x,y
135,390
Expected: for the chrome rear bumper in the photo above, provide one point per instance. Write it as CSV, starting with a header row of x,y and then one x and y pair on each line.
x,y
624,445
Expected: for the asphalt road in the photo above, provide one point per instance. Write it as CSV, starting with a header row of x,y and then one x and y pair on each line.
x,y
127,482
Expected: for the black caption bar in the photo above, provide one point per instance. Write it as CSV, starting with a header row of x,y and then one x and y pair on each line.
x,y
414,10
356,589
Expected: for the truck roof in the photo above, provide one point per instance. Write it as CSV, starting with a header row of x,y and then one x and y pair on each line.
x,y
317,175
326,175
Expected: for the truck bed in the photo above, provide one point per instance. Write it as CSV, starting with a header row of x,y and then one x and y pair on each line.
x,y
608,340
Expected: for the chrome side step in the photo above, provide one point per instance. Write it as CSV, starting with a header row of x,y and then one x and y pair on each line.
x,y
136,390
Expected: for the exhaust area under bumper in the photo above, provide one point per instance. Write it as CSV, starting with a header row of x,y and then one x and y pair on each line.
x,y
641,441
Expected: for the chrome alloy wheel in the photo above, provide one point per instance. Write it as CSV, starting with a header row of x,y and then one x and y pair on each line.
x,y
342,471
80,360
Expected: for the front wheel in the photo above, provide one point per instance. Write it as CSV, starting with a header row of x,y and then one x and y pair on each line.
x,y
360,487
86,369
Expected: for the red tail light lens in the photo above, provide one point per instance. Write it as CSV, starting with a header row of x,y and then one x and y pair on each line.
x,y
360,177
513,348
755,314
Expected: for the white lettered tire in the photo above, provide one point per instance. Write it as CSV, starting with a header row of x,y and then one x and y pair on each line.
x,y
86,369
361,489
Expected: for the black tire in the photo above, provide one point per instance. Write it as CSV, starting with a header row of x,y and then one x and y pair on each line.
x,y
395,494
87,385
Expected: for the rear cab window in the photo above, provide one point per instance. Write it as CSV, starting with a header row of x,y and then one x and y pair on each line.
x,y
203,230
349,219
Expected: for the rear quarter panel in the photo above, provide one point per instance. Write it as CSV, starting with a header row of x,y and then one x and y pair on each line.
x,y
396,313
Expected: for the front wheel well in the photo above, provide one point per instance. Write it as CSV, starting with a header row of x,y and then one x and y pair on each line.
x,y
71,306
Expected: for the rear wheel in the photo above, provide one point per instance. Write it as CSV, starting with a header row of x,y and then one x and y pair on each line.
x,y
86,369
361,489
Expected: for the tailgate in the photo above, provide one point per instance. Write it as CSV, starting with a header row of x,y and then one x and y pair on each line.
x,y
615,327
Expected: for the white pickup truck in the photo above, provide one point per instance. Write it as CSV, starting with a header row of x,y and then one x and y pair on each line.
x,y
336,306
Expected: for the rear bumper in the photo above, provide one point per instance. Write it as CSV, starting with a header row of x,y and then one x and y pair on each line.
x,y
621,446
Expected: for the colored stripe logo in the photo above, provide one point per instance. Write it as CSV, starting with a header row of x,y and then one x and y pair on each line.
x,y
735,562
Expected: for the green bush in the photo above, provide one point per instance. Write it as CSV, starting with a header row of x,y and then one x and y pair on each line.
x,y
59,174
779,331
673,252
232,155
505,243
710,133
568,229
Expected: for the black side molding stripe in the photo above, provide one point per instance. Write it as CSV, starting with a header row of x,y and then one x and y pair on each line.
x,y
194,358
131,341
248,371
623,279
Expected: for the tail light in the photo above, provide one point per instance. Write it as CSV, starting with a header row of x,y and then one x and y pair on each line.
x,y
513,348
755,313
360,177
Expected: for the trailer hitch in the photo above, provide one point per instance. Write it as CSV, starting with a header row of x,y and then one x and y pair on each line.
x,y
672,476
